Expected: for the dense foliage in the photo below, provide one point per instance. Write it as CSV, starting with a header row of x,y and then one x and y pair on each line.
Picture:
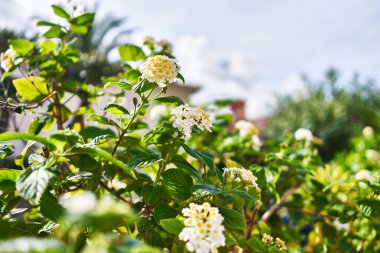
x,y
148,173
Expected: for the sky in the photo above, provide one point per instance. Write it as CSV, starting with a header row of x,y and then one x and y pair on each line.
x,y
245,49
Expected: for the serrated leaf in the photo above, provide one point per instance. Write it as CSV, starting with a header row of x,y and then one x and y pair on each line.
x,y
31,184
164,211
151,194
205,190
114,109
232,219
184,165
143,160
171,100
131,52
80,175
161,135
178,183
172,226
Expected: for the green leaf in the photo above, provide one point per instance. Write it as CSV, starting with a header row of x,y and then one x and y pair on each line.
x,y
163,134
164,211
33,88
171,100
102,120
120,84
46,23
85,19
256,244
94,131
208,160
151,194
8,136
114,109
85,162
54,32
8,180
131,52
243,194
232,219
181,77
59,11
79,176
31,245
21,46
6,150
178,183
184,165
370,208
81,29
205,190
31,184
132,76
172,226
143,160
50,208
47,46
102,154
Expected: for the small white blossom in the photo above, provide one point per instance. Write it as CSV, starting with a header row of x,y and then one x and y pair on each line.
x,y
303,134
203,232
256,142
81,203
185,117
160,69
246,128
368,132
341,226
373,156
267,239
280,244
6,59
363,175
241,175
157,112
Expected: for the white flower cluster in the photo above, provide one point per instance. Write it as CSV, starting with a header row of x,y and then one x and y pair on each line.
x,y
6,59
203,232
368,132
303,134
160,69
248,129
268,239
241,175
184,117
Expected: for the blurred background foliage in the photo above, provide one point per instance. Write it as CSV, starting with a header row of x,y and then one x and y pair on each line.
x,y
332,110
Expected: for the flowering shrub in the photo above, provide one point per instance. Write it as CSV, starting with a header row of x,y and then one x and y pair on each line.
x,y
195,182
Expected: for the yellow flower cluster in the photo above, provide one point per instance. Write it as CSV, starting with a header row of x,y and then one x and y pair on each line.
x,y
160,69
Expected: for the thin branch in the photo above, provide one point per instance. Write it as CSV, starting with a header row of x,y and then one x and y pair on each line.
x,y
276,206
110,190
251,222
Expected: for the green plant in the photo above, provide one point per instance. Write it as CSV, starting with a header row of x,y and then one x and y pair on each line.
x,y
116,182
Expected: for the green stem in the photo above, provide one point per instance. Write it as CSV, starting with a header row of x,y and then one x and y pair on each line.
x,y
135,113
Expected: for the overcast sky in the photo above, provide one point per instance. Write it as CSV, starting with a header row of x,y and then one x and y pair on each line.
x,y
246,49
